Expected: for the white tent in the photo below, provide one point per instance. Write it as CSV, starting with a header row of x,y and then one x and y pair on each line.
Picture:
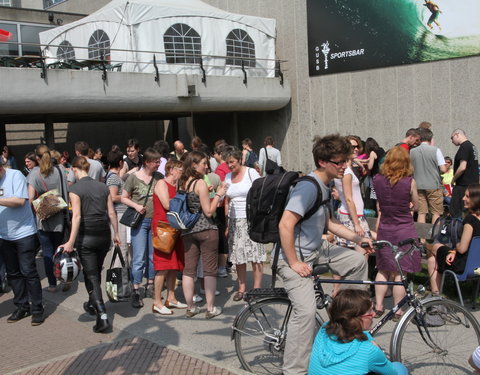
x,y
177,32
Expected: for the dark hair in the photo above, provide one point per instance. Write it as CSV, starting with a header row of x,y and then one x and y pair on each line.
x,y
81,163
231,152
82,147
115,148
345,315
98,150
114,158
91,153
412,132
193,157
426,134
7,149
474,191
357,139
150,154
330,146
269,141
162,148
66,155
204,148
31,156
133,142
371,145
218,141
219,148
196,142
248,142
448,158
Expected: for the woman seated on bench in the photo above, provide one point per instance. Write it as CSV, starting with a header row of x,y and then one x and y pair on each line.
x,y
344,346
446,258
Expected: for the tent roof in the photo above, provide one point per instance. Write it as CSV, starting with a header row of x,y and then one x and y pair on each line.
x,y
132,12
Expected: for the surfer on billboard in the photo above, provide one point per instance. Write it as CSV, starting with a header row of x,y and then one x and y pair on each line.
x,y
432,7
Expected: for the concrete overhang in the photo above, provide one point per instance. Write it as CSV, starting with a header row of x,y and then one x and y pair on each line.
x,y
70,95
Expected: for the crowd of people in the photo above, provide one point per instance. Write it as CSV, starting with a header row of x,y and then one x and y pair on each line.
x,y
407,180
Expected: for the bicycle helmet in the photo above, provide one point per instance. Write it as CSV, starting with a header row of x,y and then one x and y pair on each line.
x,y
66,266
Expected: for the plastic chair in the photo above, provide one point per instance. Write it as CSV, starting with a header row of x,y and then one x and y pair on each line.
x,y
473,261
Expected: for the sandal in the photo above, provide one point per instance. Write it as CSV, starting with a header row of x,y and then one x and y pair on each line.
x,y
397,317
238,296
378,313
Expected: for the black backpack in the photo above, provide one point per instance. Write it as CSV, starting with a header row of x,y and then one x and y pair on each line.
x,y
266,201
270,165
251,159
447,230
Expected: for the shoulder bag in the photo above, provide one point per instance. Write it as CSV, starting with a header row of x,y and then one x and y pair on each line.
x,y
131,217
118,282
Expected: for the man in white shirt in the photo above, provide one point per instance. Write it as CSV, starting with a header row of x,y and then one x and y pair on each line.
x,y
269,153
96,170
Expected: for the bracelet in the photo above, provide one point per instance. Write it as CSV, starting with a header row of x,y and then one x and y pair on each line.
x,y
453,251
218,195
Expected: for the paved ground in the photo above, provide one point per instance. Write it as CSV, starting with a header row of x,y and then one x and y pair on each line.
x,y
140,342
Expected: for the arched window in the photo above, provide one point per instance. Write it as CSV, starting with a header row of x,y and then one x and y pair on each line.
x,y
182,45
240,46
65,51
99,46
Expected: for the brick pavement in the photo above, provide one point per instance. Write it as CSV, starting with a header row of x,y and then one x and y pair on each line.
x,y
131,356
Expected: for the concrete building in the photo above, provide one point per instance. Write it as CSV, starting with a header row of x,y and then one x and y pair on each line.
x,y
382,103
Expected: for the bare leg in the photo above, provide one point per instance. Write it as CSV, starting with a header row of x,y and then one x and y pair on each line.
x,y
257,274
421,218
188,286
336,287
380,290
171,279
159,280
242,276
210,288
432,268
398,291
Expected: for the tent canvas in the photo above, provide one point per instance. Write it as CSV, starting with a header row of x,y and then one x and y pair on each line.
x,y
135,31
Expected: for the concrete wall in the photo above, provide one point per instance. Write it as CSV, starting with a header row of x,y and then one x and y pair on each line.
x,y
381,103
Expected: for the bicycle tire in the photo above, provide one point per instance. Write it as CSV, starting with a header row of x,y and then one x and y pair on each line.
x,y
260,333
454,334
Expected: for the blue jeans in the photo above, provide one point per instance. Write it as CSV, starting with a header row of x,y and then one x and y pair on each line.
x,y
19,257
142,252
49,242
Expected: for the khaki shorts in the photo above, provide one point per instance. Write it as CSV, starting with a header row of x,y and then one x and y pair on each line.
x,y
430,201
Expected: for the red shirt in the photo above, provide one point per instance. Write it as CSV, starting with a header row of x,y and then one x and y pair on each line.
x,y
222,171
405,146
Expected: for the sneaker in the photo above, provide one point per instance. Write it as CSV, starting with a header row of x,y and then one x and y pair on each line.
x,y
215,312
136,300
197,298
18,314
202,291
222,272
37,319
190,313
149,291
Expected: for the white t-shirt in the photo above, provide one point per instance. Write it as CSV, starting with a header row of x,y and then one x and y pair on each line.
x,y
237,193
356,194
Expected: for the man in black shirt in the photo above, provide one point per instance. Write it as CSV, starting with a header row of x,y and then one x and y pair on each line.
x,y
465,170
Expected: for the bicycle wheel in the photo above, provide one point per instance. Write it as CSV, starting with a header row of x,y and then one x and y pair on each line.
x,y
260,334
443,346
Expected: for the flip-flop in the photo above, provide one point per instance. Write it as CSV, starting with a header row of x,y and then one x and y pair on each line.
x,y
378,313
238,296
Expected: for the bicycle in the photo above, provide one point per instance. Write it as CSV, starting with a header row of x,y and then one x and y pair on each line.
x,y
435,335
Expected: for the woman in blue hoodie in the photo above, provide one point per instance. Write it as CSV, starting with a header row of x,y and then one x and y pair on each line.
x,y
344,346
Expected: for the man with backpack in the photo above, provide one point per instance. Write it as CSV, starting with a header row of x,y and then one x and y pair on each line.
x,y
302,247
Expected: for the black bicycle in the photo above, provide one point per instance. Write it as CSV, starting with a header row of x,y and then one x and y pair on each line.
x,y
434,335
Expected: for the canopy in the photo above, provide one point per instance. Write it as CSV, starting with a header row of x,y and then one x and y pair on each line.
x,y
177,32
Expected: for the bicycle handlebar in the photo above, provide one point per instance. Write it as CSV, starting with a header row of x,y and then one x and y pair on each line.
x,y
395,248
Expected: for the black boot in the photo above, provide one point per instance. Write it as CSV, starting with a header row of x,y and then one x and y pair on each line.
x,y
102,319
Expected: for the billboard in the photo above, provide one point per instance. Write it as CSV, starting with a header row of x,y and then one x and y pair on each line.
x,y
348,35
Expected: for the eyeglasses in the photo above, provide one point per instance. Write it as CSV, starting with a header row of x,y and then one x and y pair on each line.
x,y
453,135
355,146
338,163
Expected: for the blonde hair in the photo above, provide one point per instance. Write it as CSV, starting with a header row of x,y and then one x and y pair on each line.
x,y
397,165
44,160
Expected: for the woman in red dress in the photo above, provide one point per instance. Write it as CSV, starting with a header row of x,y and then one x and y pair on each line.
x,y
167,265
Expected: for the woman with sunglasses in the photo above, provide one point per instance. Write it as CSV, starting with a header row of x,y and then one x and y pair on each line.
x,y
351,209
343,344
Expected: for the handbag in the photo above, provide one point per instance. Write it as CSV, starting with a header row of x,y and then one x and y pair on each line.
x,y
270,165
118,282
164,237
131,217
